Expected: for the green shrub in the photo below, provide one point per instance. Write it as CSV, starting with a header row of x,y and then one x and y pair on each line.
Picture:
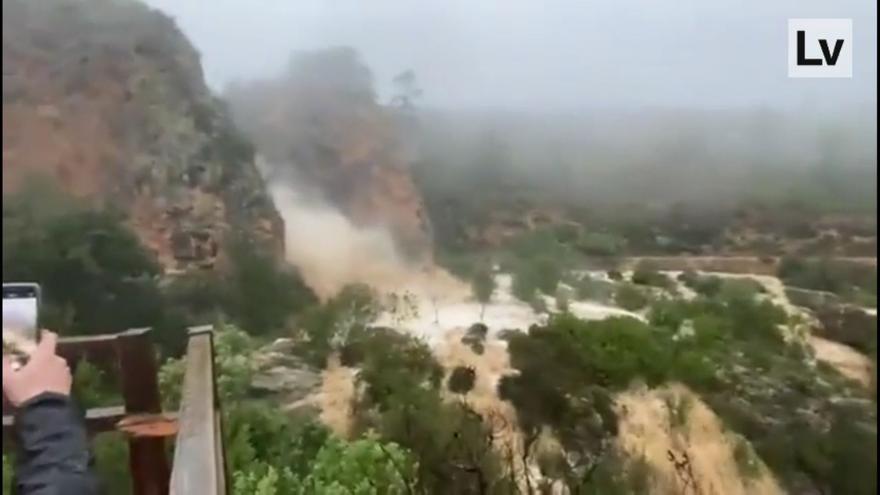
x,y
265,292
740,287
392,363
592,289
706,285
838,277
645,274
525,285
537,275
271,451
760,386
601,244
475,337
95,275
402,402
97,278
332,325
461,380
539,244
630,297
460,265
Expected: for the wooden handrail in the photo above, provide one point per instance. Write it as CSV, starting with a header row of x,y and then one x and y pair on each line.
x,y
199,459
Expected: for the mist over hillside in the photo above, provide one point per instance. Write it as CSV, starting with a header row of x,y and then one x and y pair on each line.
x,y
668,155
456,247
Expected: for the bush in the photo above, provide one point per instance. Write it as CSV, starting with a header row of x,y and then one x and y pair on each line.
x,y
475,337
597,290
337,324
97,278
839,277
706,285
740,287
392,363
402,402
269,450
533,276
645,274
630,297
95,275
601,244
265,294
460,265
461,380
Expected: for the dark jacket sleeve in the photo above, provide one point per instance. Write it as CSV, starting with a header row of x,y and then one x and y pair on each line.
x,y
53,451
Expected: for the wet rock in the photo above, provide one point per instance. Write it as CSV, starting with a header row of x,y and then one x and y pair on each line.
x,y
290,382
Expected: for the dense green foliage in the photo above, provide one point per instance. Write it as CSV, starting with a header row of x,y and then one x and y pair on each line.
x,y
328,327
601,244
263,293
97,278
645,274
461,379
588,287
630,297
402,402
852,281
536,276
279,454
730,350
475,337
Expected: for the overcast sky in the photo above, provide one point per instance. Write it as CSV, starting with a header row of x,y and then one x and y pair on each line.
x,y
551,54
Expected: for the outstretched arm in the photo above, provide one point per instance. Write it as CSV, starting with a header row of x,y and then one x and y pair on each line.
x,y
53,453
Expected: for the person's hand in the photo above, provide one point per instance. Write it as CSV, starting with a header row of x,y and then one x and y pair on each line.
x,y
44,372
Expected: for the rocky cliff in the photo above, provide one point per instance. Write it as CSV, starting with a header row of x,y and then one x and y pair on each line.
x,y
320,120
108,98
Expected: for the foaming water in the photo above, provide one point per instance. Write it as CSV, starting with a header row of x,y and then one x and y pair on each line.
x,y
331,252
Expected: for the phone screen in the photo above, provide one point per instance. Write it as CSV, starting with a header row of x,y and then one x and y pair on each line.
x,y
21,304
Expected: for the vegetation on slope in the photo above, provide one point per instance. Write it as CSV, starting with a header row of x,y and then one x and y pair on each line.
x,y
98,278
801,418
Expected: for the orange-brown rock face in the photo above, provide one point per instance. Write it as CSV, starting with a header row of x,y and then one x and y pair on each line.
x,y
108,99
321,120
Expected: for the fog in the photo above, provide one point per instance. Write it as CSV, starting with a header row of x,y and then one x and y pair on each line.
x,y
544,55
562,102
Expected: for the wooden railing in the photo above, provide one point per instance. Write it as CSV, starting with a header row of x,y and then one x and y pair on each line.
x,y
199,457
130,356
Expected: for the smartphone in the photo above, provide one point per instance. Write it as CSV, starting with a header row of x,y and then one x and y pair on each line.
x,y
21,315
